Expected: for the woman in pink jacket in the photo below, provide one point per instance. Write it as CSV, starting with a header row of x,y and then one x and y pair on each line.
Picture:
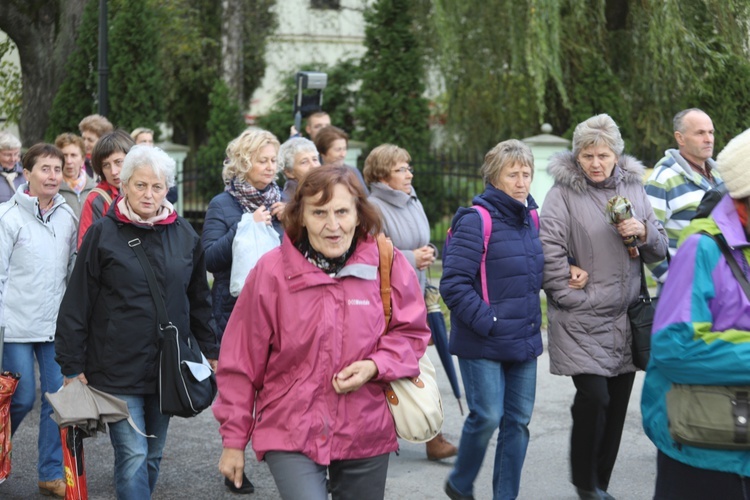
x,y
304,348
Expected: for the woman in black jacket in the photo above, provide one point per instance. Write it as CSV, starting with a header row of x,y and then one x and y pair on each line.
x,y
107,329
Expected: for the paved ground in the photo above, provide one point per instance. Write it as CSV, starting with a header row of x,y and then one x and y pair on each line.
x,y
193,447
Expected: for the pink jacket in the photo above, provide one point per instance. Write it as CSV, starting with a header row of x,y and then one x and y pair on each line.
x,y
292,329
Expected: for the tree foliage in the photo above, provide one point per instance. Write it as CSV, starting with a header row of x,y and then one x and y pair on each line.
x,y
392,107
510,65
76,97
135,90
10,84
224,124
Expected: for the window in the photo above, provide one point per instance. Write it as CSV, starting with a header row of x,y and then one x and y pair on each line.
x,y
325,4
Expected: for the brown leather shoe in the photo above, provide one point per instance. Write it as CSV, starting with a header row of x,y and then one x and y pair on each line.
x,y
56,488
439,448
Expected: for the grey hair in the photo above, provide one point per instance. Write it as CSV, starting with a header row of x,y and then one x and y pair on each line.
x,y
679,119
141,156
506,154
9,141
599,130
289,150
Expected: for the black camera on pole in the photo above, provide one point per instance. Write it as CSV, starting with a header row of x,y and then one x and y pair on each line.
x,y
309,99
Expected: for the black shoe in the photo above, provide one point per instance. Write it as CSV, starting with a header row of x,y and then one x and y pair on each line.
x,y
246,488
455,495
604,495
588,495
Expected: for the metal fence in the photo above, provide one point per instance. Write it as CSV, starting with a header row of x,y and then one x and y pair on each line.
x,y
444,181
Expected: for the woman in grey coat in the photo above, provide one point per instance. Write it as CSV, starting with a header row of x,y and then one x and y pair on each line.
x,y
589,331
389,176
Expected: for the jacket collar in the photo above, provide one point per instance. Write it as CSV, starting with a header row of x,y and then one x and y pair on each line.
x,y
386,193
725,215
681,166
494,199
565,171
301,274
30,204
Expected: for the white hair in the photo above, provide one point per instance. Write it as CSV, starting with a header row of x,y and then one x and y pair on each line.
x,y
141,156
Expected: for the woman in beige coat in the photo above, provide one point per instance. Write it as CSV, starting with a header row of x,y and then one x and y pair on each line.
x,y
589,330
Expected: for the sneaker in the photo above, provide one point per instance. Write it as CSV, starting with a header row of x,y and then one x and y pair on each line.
x,y
246,488
56,488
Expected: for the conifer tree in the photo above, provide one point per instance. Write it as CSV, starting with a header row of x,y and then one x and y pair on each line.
x,y
392,107
135,93
76,97
224,124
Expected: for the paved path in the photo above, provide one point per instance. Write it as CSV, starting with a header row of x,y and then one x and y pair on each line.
x,y
193,447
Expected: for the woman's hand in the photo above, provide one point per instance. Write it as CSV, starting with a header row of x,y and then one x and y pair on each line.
x,y
578,278
262,215
354,376
424,257
277,209
232,465
214,363
80,376
632,227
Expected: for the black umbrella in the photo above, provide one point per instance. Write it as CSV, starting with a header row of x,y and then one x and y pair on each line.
x,y
436,321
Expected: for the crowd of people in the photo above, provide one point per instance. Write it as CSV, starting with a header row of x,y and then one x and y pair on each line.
x,y
303,353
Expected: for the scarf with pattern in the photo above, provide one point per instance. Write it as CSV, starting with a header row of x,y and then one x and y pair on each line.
x,y
326,264
252,199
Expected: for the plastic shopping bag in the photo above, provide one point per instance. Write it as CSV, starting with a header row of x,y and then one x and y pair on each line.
x,y
253,239
8,383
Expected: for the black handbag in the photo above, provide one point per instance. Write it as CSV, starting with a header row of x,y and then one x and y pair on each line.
x,y
641,314
187,384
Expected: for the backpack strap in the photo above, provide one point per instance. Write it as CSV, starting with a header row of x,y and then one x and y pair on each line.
x,y
535,218
385,249
103,194
487,232
731,261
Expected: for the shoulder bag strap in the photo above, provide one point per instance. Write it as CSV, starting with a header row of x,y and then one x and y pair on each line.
x,y
103,194
486,232
385,249
644,286
135,244
736,271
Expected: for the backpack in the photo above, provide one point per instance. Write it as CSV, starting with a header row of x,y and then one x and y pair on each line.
x,y
712,198
486,231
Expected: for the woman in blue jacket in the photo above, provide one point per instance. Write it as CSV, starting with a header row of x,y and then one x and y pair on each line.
x,y
497,343
249,175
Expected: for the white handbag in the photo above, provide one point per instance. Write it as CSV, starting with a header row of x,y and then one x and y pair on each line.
x,y
415,403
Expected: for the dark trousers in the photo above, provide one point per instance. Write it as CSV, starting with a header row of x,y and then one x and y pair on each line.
x,y
599,410
299,478
678,481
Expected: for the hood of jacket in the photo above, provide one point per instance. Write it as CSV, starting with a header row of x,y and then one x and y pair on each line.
x,y
510,209
565,170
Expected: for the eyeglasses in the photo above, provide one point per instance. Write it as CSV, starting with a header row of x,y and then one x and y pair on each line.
x,y
403,170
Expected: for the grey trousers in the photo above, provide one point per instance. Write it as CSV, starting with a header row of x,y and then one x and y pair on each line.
x,y
299,478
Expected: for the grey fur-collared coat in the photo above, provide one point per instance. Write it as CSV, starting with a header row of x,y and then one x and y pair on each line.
x,y
589,330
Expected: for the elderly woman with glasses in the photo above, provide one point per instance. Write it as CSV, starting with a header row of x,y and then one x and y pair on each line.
x,y
389,176
10,165
107,332
589,331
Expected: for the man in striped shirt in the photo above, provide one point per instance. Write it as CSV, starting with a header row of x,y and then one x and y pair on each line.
x,y
682,177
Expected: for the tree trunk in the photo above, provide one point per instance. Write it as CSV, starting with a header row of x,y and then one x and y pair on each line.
x,y
231,47
44,32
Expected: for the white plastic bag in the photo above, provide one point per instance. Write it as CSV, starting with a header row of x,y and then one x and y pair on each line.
x,y
253,239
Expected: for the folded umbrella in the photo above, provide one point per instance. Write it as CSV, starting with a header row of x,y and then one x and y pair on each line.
x,y
436,322
8,384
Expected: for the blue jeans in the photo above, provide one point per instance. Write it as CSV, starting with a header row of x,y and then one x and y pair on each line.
x,y
137,457
500,396
19,358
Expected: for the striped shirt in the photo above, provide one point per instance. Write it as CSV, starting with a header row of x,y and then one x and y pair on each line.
x,y
675,190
